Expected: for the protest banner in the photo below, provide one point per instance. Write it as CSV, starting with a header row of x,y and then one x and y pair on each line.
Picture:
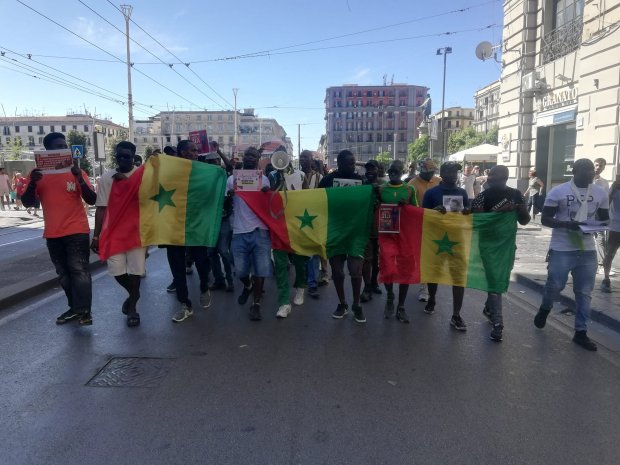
x,y
53,160
201,140
248,180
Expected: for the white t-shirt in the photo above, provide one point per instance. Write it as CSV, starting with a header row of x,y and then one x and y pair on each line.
x,y
562,197
467,183
243,218
602,183
295,180
104,186
614,212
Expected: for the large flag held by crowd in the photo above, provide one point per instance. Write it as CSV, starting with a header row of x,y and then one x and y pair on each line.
x,y
323,222
168,200
474,251
172,201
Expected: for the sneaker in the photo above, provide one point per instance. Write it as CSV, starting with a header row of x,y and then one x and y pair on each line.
x,y
581,338
314,293
299,296
323,279
172,287
388,312
218,286
606,286
487,313
86,319
457,323
245,295
188,270
401,315
423,293
255,312
358,313
429,308
183,314
377,290
66,317
205,299
496,333
284,311
366,295
541,318
341,311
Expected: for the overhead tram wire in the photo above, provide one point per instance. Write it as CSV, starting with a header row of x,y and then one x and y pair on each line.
x,y
187,65
66,76
106,52
152,54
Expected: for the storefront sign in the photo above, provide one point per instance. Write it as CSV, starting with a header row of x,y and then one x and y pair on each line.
x,y
559,98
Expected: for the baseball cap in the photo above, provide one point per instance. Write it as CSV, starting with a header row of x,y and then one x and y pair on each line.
x,y
374,163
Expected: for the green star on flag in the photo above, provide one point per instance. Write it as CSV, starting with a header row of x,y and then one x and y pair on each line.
x,y
306,219
445,245
164,197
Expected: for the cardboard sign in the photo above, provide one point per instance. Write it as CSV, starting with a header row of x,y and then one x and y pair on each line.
x,y
340,182
453,203
201,140
53,160
389,219
248,180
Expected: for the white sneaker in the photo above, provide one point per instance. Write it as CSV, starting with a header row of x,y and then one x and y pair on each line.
x,y
283,311
205,299
183,314
423,293
299,296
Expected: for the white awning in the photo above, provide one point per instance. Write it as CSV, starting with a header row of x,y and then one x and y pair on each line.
x,y
477,154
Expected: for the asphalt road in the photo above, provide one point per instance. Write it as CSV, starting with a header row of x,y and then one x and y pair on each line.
x,y
220,389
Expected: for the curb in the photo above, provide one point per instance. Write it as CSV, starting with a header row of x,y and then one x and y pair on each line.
x,y
595,315
28,288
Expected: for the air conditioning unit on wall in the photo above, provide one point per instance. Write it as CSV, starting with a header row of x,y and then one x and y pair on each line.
x,y
531,82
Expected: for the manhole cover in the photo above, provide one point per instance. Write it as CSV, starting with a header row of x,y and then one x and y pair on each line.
x,y
132,372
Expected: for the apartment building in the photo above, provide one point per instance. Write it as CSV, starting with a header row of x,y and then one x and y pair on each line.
x,y
455,119
372,119
560,87
486,103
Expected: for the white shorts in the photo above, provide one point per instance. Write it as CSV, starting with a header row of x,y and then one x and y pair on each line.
x,y
130,262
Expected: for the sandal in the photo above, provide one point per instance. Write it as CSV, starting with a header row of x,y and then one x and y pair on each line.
x,y
133,319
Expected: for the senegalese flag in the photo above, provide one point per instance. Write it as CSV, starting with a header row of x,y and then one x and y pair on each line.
x,y
323,222
167,201
475,251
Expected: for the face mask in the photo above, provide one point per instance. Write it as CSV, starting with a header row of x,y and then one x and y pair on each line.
x,y
427,175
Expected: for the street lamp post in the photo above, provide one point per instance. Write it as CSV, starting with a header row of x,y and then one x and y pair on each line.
x,y
443,51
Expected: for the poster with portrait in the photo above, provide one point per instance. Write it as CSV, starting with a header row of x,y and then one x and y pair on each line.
x,y
389,219
453,203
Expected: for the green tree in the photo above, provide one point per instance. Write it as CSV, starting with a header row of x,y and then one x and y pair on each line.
x,y
77,138
418,150
111,161
384,158
148,151
468,137
16,149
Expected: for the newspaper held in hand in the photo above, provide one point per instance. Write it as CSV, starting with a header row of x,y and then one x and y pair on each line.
x,y
389,219
248,180
341,182
453,203
53,161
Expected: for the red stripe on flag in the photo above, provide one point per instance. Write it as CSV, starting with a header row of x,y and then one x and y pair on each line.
x,y
268,206
121,225
399,254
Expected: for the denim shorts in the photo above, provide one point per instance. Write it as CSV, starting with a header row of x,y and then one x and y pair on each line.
x,y
252,254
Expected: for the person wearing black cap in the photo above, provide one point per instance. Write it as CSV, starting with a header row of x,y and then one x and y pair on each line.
x,y
434,199
169,150
370,269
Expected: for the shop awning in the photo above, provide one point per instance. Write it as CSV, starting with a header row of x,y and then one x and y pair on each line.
x,y
477,154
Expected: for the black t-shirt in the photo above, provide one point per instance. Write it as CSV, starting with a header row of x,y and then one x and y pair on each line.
x,y
328,180
494,198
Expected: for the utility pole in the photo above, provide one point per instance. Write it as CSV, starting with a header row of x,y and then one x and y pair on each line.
x,y
394,157
235,90
298,139
443,51
127,10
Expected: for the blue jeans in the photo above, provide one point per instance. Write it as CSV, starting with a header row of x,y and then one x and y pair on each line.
x,y
312,270
70,255
252,252
582,265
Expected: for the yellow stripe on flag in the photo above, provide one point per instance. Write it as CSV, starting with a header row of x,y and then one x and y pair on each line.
x,y
163,200
446,240
305,213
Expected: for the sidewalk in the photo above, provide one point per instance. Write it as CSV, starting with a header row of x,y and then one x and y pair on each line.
x,y
530,270
32,271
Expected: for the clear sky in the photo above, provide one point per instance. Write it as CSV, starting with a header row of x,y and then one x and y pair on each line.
x,y
351,41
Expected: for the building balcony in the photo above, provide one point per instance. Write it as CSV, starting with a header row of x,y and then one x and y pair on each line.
x,y
562,40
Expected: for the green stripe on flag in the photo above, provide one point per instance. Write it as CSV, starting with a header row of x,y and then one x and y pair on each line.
x,y
350,212
205,199
492,252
